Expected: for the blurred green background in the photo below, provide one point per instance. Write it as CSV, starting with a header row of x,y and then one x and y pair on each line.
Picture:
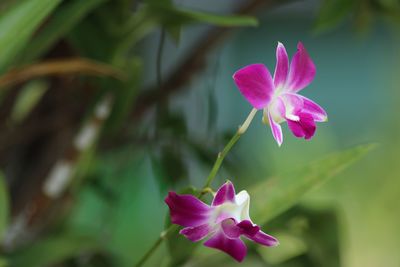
x,y
106,105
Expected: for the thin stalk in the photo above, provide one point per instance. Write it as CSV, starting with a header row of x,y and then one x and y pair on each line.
x,y
164,235
217,165
221,156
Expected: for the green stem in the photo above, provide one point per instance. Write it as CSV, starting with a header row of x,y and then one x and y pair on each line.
x,y
164,235
220,158
217,165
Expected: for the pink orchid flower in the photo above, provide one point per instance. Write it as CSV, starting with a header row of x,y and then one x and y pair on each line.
x,y
224,222
278,96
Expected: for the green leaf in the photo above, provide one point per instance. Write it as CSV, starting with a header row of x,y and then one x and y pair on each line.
x,y
125,95
64,19
276,195
331,13
390,4
17,25
364,16
290,246
172,16
308,237
27,99
175,32
3,262
53,250
215,19
3,206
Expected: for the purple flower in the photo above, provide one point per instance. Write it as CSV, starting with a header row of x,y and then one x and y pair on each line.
x,y
224,222
278,96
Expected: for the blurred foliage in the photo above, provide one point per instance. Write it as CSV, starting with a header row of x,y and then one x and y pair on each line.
x,y
307,237
57,248
275,195
28,98
361,12
3,206
23,18
68,15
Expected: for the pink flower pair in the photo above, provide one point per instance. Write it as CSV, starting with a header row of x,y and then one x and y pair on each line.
x,y
227,220
277,96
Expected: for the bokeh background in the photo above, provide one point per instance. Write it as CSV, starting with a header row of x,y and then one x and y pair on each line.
x,y
105,106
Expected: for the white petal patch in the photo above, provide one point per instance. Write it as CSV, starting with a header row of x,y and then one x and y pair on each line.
x,y
238,210
292,117
243,201
277,110
293,104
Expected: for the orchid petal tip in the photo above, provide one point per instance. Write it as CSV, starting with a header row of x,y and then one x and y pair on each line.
x,y
300,45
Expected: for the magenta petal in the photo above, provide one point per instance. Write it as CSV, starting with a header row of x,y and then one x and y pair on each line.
x,y
234,230
248,228
302,70
186,210
262,238
255,83
282,66
225,193
230,228
234,247
305,127
276,130
196,233
317,112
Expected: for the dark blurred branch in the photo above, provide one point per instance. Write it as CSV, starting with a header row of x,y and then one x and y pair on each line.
x,y
195,60
60,67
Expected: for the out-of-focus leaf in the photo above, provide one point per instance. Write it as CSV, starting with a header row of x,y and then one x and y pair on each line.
x,y
3,262
390,4
175,32
290,246
3,206
18,23
99,260
66,17
215,19
181,16
172,123
27,99
363,17
159,3
53,250
203,153
331,13
173,165
180,250
124,95
277,194
307,237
